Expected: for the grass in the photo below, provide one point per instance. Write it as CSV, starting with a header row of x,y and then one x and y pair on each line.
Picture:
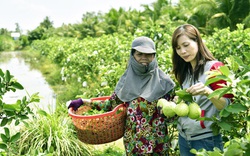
x,y
115,148
50,133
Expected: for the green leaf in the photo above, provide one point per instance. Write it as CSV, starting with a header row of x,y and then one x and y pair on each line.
x,y
7,76
247,55
182,94
212,80
15,137
217,78
224,70
11,107
244,81
224,113
42,112
3,146
225,126
224,77
17,85
4,137
1,72
215,153
236,108
4,122
23,117
7,132
17,122
219,92
238,60
193,151
35,97
248,118
234,150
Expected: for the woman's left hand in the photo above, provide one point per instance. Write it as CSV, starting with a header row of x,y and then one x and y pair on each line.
x,y
199,89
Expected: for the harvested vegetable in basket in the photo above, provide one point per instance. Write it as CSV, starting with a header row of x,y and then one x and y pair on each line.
x,y
93,112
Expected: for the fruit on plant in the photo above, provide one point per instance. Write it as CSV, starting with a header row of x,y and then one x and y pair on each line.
x,y
194,111
168,109
182,109
160,102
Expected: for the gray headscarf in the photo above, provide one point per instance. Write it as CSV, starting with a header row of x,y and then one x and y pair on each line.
x,y
148,82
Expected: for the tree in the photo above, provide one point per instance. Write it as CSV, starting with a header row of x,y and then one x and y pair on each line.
x,y
40,32
18,29
220,14
46,23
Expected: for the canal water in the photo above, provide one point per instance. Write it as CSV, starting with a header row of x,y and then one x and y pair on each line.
x,y
31,79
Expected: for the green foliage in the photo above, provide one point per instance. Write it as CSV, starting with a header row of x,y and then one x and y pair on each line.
x,y
6,43
40,32
238,84
50,134
234,118
110,151
234,147
220,14
23,41
12,113
224,43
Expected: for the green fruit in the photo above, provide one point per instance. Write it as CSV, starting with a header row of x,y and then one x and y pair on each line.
x,y
194,111
182,109
168,109
160,102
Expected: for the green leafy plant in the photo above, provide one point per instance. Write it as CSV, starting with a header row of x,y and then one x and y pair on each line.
x,y
13,113
110,151
93,112
50,134
234,118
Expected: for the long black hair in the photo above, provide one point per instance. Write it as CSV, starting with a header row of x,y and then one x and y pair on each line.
x,y
181,69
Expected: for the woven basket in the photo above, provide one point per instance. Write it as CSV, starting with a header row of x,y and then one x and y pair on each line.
x,y
100,128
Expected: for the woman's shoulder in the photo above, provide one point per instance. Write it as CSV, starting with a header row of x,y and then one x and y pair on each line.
x,y
212,65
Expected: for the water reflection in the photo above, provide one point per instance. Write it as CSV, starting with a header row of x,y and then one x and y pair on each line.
x,y
31,79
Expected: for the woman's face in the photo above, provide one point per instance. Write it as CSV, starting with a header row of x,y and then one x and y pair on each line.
x,y
187,49
143,58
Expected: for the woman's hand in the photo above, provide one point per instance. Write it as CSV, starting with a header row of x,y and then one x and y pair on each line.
x,y
75,104
199,89
78,102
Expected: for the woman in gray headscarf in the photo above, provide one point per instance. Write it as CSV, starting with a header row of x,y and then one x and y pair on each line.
x,y
140,88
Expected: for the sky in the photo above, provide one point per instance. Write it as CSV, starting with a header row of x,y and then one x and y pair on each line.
x,y
30,13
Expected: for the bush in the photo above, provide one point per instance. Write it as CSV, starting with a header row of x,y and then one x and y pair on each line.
x,y
6,43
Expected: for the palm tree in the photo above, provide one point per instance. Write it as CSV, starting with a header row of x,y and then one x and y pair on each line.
x,y
211,14
112,20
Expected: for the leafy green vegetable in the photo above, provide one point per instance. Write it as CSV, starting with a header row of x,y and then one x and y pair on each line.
x,y
93,112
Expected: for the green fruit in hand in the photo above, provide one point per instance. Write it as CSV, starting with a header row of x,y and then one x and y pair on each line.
x,y
182,109
194,111
168,109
